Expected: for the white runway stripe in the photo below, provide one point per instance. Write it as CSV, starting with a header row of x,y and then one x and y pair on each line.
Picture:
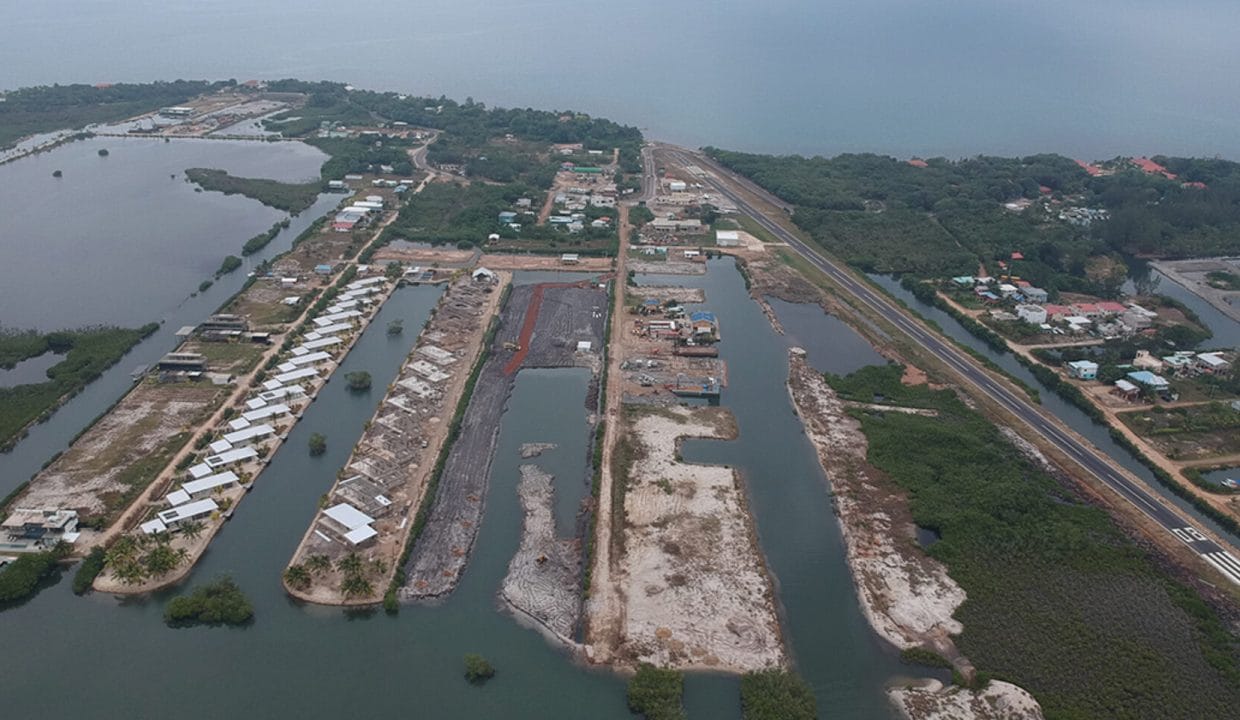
x,y
1225,564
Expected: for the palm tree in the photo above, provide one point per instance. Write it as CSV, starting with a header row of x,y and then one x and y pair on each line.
x,y
297,576
354,585
350,564
318,564
192,529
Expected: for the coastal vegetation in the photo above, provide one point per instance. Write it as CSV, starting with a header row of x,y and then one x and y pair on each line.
x,y
776,694
943,217
289,197
318,444
87,352
358,380
219,602
477,669
56,107
263,239
1047,576
134,559
22,578
657,693
88,570
227,265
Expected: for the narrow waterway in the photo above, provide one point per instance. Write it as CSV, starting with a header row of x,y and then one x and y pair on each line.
x,y
1069,414
827,636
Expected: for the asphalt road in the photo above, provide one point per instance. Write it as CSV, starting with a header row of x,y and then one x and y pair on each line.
x,y
1049,428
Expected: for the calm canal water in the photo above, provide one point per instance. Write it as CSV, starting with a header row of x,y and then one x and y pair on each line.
x,y
298,661
1069,414
829,639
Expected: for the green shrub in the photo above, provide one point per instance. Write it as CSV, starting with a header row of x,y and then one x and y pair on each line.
x,y
656,693
776,695
318,444
86,573
220,602
477,669
20,579
358,380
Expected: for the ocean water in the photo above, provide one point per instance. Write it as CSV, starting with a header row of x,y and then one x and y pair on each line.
x,y
905,77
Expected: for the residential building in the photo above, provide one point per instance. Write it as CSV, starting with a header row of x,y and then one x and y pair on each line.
x,y
1032,314
1213,363
1083,369
32,530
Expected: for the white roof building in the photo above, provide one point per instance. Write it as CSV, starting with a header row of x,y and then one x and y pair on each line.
x,y
201,470
311,359
265,412
272,385
210,483
177,497
238,424
322,332
150,527
255,403
220,446
322,343
355,523
228,458
291,391
188,511
334,318
295,375
250,434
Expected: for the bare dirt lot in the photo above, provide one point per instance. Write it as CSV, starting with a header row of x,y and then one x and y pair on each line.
x,y
544,576
696,593
497,261
122,453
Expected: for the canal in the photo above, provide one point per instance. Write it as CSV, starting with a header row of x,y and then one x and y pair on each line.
x,y
828,638
298,661
1056,406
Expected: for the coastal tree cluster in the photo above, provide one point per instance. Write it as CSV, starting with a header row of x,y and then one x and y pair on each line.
x,y
945,217
52,107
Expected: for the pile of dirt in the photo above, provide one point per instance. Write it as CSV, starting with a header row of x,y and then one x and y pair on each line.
x,y
997,701
544,576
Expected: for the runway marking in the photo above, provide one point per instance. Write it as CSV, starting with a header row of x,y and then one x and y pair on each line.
x,y
1226,564
1189,535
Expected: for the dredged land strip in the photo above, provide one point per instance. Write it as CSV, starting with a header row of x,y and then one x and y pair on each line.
x,y
353,546
566,315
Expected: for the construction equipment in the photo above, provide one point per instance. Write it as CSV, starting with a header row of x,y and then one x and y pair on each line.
x,y
512,346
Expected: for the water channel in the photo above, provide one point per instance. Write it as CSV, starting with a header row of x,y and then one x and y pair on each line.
x,y
1069,414
173,306
298,661
828,638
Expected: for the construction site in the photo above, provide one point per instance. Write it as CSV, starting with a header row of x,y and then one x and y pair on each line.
x,y
548,325
355,541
